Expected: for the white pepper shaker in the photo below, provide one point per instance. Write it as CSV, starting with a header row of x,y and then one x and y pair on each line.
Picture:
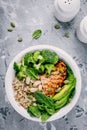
x,y
82,30
66,10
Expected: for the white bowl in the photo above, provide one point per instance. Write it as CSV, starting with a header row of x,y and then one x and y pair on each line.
x,y
10,76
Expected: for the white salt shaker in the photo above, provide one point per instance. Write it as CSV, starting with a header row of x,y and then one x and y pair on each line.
x,y
66,10
82,30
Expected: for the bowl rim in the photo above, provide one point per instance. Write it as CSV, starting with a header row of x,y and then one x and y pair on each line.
x,y
10,72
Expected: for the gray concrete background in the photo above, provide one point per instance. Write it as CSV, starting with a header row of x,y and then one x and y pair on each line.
x,y
29,15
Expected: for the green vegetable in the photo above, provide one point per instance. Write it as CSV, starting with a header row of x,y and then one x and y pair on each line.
x,y
36,34
20,39
12,24
50,111
59,104
57,26
20,70
36,55
44,116
17,66
67,35
65,90
41,69
10,29
50,57
32,73
37,66
41,107
49,68
23,69
34,110
21,75
28,58
43,99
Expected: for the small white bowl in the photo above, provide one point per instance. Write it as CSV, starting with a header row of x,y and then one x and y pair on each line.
x,y
10,76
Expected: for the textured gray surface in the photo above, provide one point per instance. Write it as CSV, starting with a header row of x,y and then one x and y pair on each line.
x,y
28,16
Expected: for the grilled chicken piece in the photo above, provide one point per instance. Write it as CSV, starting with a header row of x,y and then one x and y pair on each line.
x,y
55,79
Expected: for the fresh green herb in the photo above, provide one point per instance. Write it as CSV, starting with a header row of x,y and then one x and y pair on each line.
x,y
44,116
10,29
57,26
36,34
12,24
32,73
20,39
67,35
34,110
50,111
43,99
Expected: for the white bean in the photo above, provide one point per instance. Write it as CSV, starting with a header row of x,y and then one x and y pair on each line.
x,y
36,83
27,80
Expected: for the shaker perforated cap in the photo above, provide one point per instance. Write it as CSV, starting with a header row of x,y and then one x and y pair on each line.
x,y
68,6
66,9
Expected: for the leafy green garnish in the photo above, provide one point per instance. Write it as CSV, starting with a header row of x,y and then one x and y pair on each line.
x,y
32,73
34,110
36,34
43,99
44,116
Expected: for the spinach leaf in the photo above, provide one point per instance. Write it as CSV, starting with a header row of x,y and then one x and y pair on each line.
x,y
43,99
34,111
32,73
44,116
36,34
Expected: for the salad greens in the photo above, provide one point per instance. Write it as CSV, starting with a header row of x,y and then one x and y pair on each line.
x,y
40,62
35,63
47,106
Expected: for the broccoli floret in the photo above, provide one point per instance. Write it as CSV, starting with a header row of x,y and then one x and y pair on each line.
x,y
41,69
17,66
36,55
37,66
28,58
50,56
23,68
21,75
49,68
